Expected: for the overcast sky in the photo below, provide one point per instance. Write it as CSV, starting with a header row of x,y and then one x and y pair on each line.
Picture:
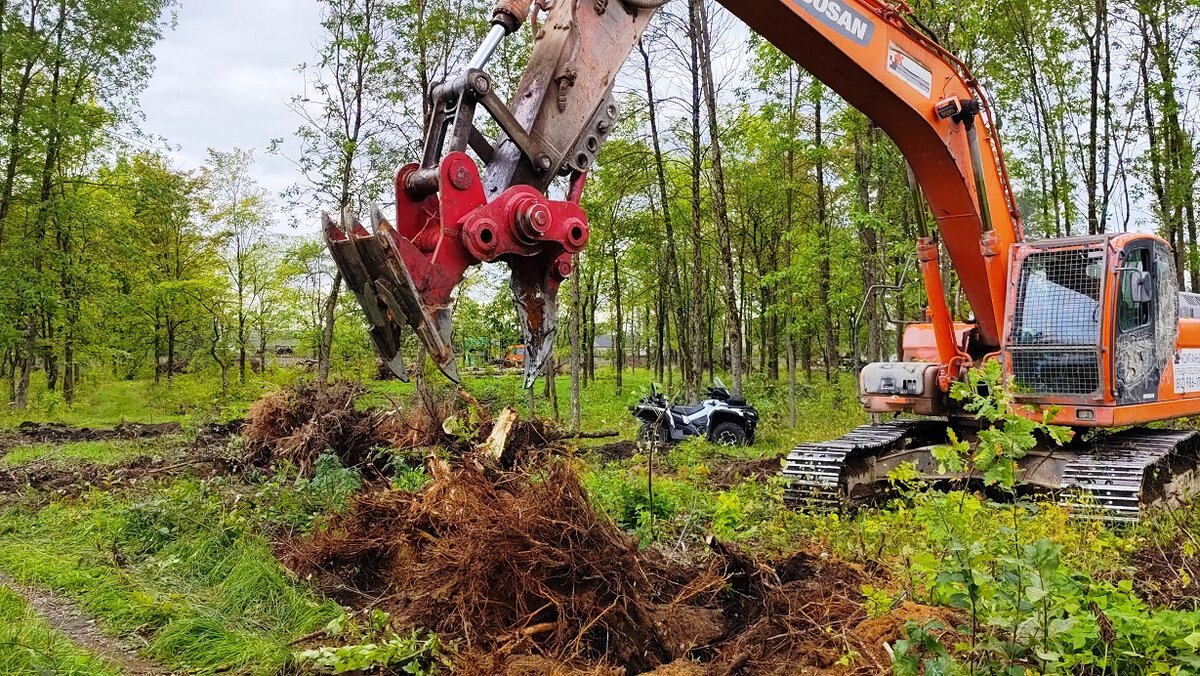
x,y
223,76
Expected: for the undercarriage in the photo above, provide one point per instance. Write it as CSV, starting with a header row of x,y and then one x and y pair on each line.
x,y
1114,477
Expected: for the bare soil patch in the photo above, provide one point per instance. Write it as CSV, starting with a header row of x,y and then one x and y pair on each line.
x,y
733,472
1167,577
59,433
203,456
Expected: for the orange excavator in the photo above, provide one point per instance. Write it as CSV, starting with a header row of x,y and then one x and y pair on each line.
x,y
1094,326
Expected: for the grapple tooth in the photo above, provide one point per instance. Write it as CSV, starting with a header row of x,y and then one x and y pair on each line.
x,y
399,292
352,226
330,229
358,257
378,220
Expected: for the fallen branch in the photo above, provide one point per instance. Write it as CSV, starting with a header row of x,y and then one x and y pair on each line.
x,y
601,434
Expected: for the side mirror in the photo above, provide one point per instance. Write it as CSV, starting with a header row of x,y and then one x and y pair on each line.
x,y
1141,287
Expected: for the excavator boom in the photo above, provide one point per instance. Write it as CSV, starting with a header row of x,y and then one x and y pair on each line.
x,y
1092,326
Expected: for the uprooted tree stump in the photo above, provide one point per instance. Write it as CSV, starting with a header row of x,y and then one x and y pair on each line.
x,y
512,563
302,423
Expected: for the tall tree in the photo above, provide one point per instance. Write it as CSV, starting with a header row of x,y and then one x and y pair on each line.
x,y
239,213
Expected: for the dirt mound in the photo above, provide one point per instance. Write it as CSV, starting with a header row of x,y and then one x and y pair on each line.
x,y
729,474
616,450
1167,577
304,422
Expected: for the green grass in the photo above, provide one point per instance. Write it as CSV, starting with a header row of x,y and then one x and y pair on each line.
x,y
28,645
93,452
104,402
178,566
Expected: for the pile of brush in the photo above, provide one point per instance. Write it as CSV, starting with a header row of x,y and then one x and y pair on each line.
x,y
301,423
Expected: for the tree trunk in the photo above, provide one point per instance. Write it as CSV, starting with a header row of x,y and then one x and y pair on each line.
x,y
869,240
325,348
673,278
823,245
158,354
576,356
791,373
172,328
68,387
697,327
724,244
619,325
660,335
21,399
551,378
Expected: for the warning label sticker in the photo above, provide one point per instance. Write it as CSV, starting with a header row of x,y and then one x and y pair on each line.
x,y
910,70
1187,371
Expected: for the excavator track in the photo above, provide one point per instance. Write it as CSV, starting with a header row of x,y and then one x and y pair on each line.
x,y
1113,478
815,469
1122,474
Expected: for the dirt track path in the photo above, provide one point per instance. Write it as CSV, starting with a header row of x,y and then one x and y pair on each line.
x,y
68,620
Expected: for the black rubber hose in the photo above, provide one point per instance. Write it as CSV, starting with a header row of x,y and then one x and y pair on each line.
x,y
645,4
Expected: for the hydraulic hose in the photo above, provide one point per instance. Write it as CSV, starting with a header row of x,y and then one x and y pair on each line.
x,y
645,4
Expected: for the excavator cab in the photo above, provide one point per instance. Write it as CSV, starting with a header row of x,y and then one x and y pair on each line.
x,y
1093,328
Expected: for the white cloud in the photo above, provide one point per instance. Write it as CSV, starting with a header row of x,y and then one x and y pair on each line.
x,y
223,78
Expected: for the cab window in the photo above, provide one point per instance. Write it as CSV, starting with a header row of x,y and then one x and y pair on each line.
x,y
1133,302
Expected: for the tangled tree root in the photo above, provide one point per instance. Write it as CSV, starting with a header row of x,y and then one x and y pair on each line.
x,y
518,569
304,422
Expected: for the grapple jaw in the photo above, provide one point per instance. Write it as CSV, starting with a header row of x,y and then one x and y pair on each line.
x,y
404,275
446,221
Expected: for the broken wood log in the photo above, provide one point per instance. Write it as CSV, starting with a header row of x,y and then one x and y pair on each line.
x,y
493,447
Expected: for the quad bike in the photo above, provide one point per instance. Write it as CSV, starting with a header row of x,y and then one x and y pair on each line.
x,y
720,417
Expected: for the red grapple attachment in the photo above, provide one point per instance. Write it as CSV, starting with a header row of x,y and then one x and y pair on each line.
x,y
359,257
406,274
446,220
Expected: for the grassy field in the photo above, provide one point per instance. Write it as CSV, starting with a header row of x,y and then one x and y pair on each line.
x,y
187,566
29,646
94,452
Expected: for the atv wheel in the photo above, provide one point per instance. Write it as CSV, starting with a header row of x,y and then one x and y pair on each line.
x,y
729,434
654,434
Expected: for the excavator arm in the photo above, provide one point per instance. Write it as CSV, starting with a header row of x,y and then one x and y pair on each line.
x,y
450,215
